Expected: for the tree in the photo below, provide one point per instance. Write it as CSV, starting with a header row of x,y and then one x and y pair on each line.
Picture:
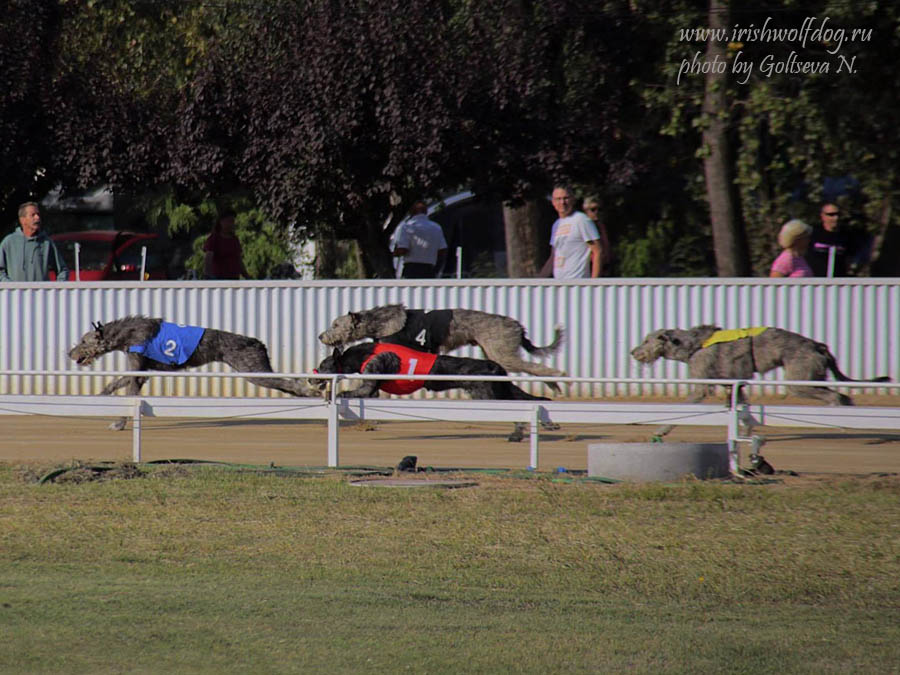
x,y
523,250
334,115
337,115
551,106
325,117
349,111
728,236
790,131
29,34
118,74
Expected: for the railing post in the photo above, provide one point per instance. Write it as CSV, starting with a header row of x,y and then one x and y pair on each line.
x,y
734,453
136,431
333,425
533,437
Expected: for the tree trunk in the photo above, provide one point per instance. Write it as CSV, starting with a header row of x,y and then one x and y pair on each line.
x,y
375,256
524,256
728,239
881,263
326,255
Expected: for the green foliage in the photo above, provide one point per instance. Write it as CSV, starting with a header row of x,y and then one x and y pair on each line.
x,y
482,267
144,47
645,256
29,31
790,132
263,241
348,261
264,244
335,115
663,252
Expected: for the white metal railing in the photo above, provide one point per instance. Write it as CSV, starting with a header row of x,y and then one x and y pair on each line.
x,y
533,413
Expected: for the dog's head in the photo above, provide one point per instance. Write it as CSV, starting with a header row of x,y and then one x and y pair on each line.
x,y
675,344
344,329
372,323
330,364
91,345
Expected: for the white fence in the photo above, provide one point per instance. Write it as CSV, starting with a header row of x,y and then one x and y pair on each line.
x,y
531,413
604,319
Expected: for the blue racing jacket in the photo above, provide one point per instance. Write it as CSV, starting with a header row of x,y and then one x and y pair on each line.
x,y
173,344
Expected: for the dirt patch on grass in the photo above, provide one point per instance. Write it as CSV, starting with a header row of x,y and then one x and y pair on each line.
x,y
79,472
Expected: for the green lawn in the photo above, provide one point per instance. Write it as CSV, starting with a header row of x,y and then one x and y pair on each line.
x,y
214,570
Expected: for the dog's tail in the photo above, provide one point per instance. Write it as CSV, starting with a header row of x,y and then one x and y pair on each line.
x,y
559,335
833,367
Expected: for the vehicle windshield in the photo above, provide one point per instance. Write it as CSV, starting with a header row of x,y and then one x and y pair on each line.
x,y
94,255
130,259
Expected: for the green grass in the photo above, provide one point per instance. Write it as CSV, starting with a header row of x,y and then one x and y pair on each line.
x,y
212,570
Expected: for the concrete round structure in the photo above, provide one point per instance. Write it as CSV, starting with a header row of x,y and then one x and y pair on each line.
x,y
657,461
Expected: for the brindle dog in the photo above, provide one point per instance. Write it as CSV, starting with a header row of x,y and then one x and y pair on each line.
x,y
373,358
244,354
801,357
439,331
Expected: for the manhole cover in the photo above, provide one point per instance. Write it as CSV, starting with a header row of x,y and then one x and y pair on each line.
x,y
448,483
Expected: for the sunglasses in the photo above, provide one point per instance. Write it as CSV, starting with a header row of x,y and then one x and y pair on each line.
x,y
593,209
831,214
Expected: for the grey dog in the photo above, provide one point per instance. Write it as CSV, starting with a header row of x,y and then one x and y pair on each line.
x,y
801,357
130,335
500,337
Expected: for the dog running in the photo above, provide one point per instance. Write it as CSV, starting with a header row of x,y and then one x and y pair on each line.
x,y
154,344
381,358
439,331
713,353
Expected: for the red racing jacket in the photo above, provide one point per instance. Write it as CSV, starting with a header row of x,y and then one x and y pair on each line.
x,y
412,362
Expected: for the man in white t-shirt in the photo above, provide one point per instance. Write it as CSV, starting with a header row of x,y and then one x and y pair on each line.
x,y
420,243
575,251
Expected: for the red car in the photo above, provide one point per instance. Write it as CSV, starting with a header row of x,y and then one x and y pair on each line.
x,y
112,255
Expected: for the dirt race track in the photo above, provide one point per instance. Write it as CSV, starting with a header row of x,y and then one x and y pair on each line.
x,y
439,444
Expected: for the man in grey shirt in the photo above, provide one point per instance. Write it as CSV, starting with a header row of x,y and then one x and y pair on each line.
x,y
28,254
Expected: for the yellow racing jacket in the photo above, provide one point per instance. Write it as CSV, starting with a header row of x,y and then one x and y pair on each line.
x,y
733,334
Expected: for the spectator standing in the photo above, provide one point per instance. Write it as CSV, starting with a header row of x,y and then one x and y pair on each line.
x,y
794,239
224,258
575,249
28,254
830,235
420,244
593,211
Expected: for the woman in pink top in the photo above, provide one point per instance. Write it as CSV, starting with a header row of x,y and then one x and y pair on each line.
x,y
794,239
